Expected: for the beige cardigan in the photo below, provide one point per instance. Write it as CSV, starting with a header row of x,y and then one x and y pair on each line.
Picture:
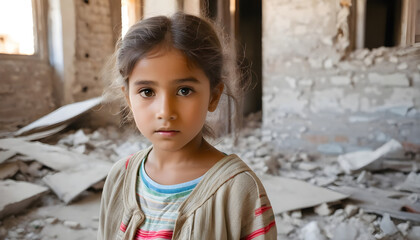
x,y
228,203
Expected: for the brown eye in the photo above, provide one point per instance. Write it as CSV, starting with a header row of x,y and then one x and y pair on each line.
x,y
146,93
184,91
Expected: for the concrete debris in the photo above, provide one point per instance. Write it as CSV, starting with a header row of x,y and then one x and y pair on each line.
x,y
290,194
323,210
412,183
82,177
5,155
345,206
387,225
354,161
60,116
8,170
345,231
403,228
312,232
16,196
71,224
351,210
53,157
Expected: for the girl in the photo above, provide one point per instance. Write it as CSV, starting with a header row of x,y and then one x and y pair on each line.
x,y
171,74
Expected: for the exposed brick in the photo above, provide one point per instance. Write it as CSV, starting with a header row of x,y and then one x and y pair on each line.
x,y
390,80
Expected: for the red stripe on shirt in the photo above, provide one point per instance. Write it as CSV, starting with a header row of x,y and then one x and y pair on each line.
x,y
128,159
143,235
123,227
260,231
261,210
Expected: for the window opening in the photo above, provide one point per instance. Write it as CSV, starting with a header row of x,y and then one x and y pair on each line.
x,y
17,27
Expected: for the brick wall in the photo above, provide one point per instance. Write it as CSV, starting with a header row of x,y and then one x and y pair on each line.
x,y
94,44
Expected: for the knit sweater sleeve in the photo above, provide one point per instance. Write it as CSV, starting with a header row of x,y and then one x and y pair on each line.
x,y
252,208
111,202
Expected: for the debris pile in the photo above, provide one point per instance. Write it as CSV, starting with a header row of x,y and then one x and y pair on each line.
x,y
363,195
360,195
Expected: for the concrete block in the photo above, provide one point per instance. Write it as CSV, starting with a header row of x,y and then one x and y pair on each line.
x,y
340,80
16,196
327,100
390,80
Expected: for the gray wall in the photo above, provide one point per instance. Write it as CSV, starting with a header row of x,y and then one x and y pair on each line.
x,y
318,97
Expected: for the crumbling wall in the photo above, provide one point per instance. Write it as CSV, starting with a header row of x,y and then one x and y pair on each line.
x,y
318,97
25,92
94,45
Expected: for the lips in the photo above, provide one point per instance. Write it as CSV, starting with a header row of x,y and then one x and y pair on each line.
x,y
167,132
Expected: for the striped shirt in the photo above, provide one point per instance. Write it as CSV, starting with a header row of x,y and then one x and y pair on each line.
x,y
160,205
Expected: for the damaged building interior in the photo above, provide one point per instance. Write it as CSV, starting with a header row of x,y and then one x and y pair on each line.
x,y
331,123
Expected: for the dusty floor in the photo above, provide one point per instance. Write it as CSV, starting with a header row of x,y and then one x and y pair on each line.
x,y
376,195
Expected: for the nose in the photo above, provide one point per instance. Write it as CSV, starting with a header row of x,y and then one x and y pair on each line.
x,y
166,109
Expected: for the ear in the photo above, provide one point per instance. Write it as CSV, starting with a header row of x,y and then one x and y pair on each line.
x,y
127,98
215,97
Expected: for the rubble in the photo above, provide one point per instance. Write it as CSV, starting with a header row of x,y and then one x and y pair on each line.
x,y
16,196
365,159
60,116
313,197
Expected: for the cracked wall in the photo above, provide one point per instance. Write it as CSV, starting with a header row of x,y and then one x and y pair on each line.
x,y
317,96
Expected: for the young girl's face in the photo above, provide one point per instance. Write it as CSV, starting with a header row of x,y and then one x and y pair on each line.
x,y
169,99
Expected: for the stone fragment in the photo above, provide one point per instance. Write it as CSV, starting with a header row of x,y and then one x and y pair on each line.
x,y
311,231
51,220
68,184
37,224
4,155
296,214
345,231
323,210
351,210
390,80
80,138
16,196
393,59
403,228
72,224
8,169
411,183
387,225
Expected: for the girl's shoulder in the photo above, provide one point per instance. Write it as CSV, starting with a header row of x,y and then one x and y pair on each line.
x,y
127,163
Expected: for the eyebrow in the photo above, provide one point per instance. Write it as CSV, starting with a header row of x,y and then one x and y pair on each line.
x,y
177,81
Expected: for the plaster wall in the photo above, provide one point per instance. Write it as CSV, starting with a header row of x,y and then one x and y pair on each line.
x,y
320,97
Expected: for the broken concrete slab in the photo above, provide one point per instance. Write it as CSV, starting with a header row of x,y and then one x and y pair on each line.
x,y
8,169
16,196
60,116
43,134
68,184
53,157
381,201
411,183
5,155
289,194
355,161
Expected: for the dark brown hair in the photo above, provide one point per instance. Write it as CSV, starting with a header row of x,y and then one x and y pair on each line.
x,y
195,37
